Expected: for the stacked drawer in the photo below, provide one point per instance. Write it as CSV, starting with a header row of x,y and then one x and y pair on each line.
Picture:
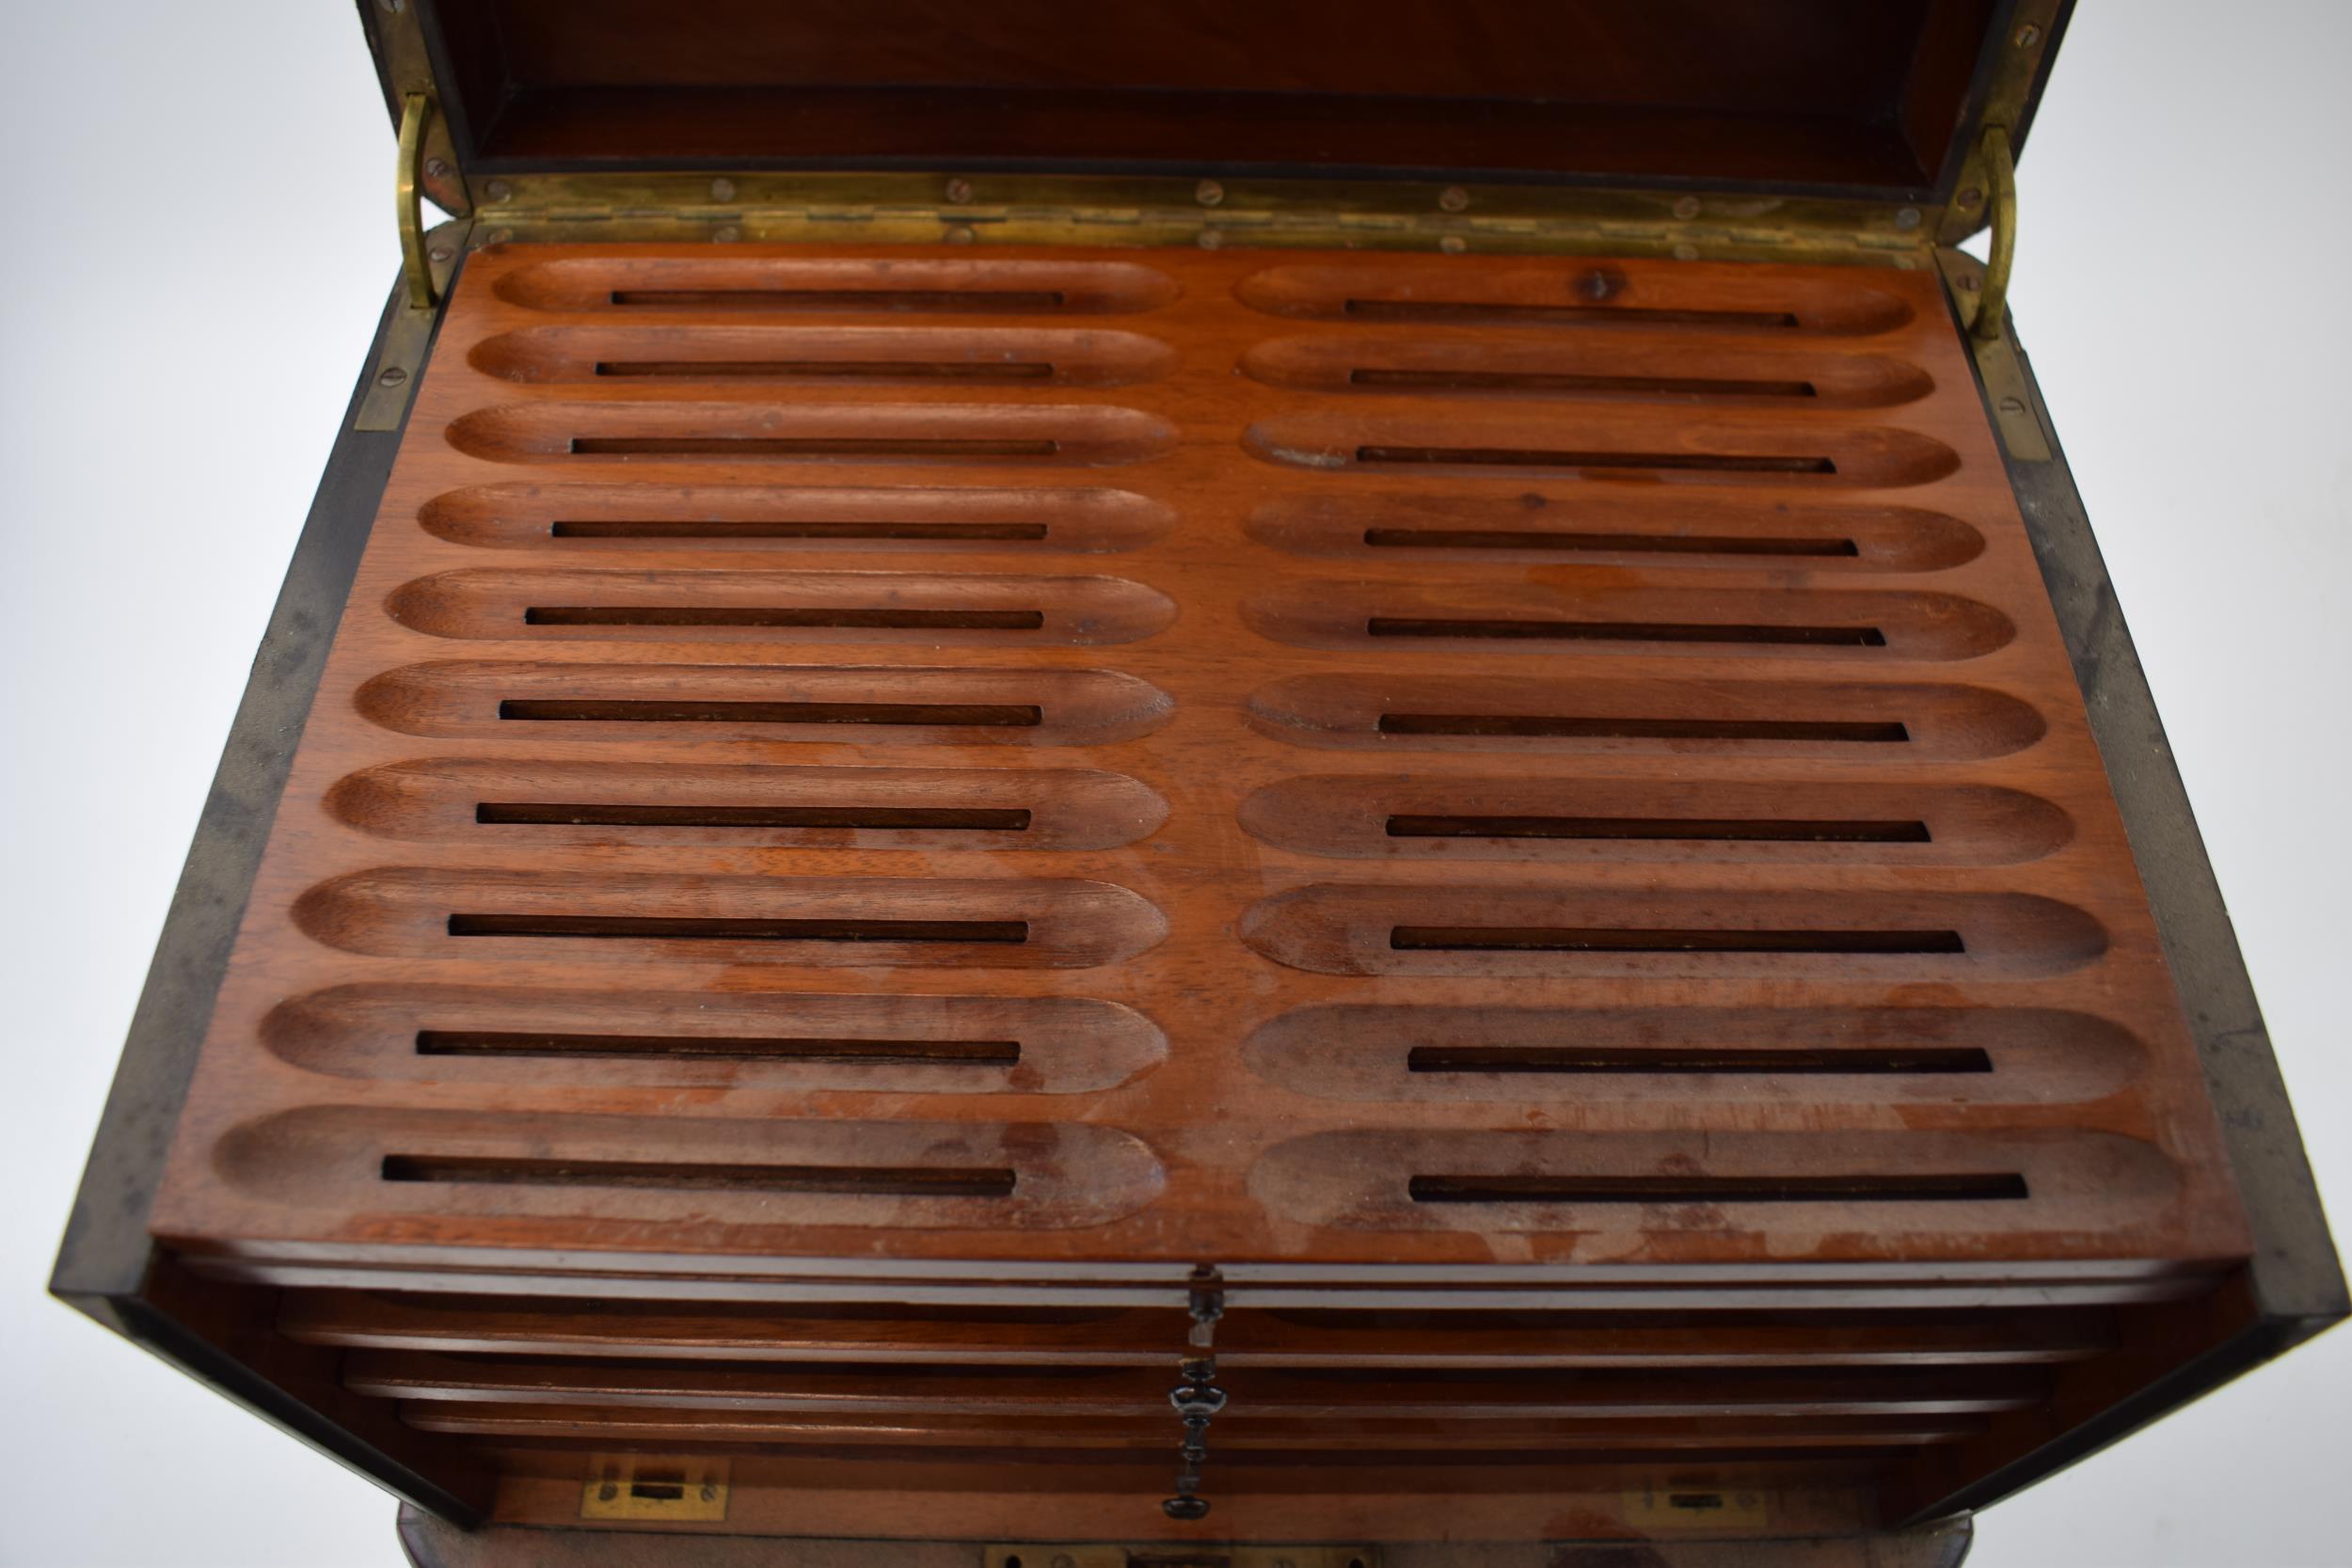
x,y
1496,859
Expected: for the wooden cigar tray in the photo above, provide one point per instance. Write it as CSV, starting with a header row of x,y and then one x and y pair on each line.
x,y
1293,782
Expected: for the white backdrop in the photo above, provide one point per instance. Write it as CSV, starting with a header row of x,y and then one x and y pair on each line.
x,y
199,244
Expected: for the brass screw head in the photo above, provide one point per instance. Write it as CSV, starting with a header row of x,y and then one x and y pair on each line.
x,y
2028,36
437,169
440,253
1453,198
1907,218
1208,193
1687,207
959,190
722,189
1210,239
1454,244
959,235
1970,197
498,190
392,376
726,233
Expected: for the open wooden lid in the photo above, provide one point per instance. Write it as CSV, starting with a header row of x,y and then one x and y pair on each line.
x,y
1847,98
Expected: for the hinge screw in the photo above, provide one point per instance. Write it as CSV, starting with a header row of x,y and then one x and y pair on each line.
x,y
2012,405
1970,197
1210,239
1687,208
1686,253
726,233
722,189
1907,217
1208,193
436,167
959,235
392,376
440,253
498,190
1453,199
1454,244
959,190
2028,36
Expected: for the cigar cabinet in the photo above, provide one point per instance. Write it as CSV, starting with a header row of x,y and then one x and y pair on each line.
x,y
1248,783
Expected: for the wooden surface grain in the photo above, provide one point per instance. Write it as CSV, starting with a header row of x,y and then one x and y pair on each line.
x,y
811,551
870,814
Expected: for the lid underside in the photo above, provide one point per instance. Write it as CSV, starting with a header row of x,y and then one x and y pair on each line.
x,y
1840,97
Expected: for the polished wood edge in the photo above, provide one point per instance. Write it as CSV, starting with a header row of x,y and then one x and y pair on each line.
x,y
431,1544
224,1340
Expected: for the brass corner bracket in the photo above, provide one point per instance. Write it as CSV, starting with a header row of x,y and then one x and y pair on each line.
x,y
427,264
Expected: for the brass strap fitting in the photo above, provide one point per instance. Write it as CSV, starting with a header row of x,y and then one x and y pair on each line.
x,y
415,110
2000,167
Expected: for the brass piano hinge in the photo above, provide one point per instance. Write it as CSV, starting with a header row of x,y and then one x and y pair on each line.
x,y
771,207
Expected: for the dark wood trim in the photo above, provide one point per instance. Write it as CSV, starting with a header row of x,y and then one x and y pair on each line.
x,y
2295,1279
2296,1273
108,1264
